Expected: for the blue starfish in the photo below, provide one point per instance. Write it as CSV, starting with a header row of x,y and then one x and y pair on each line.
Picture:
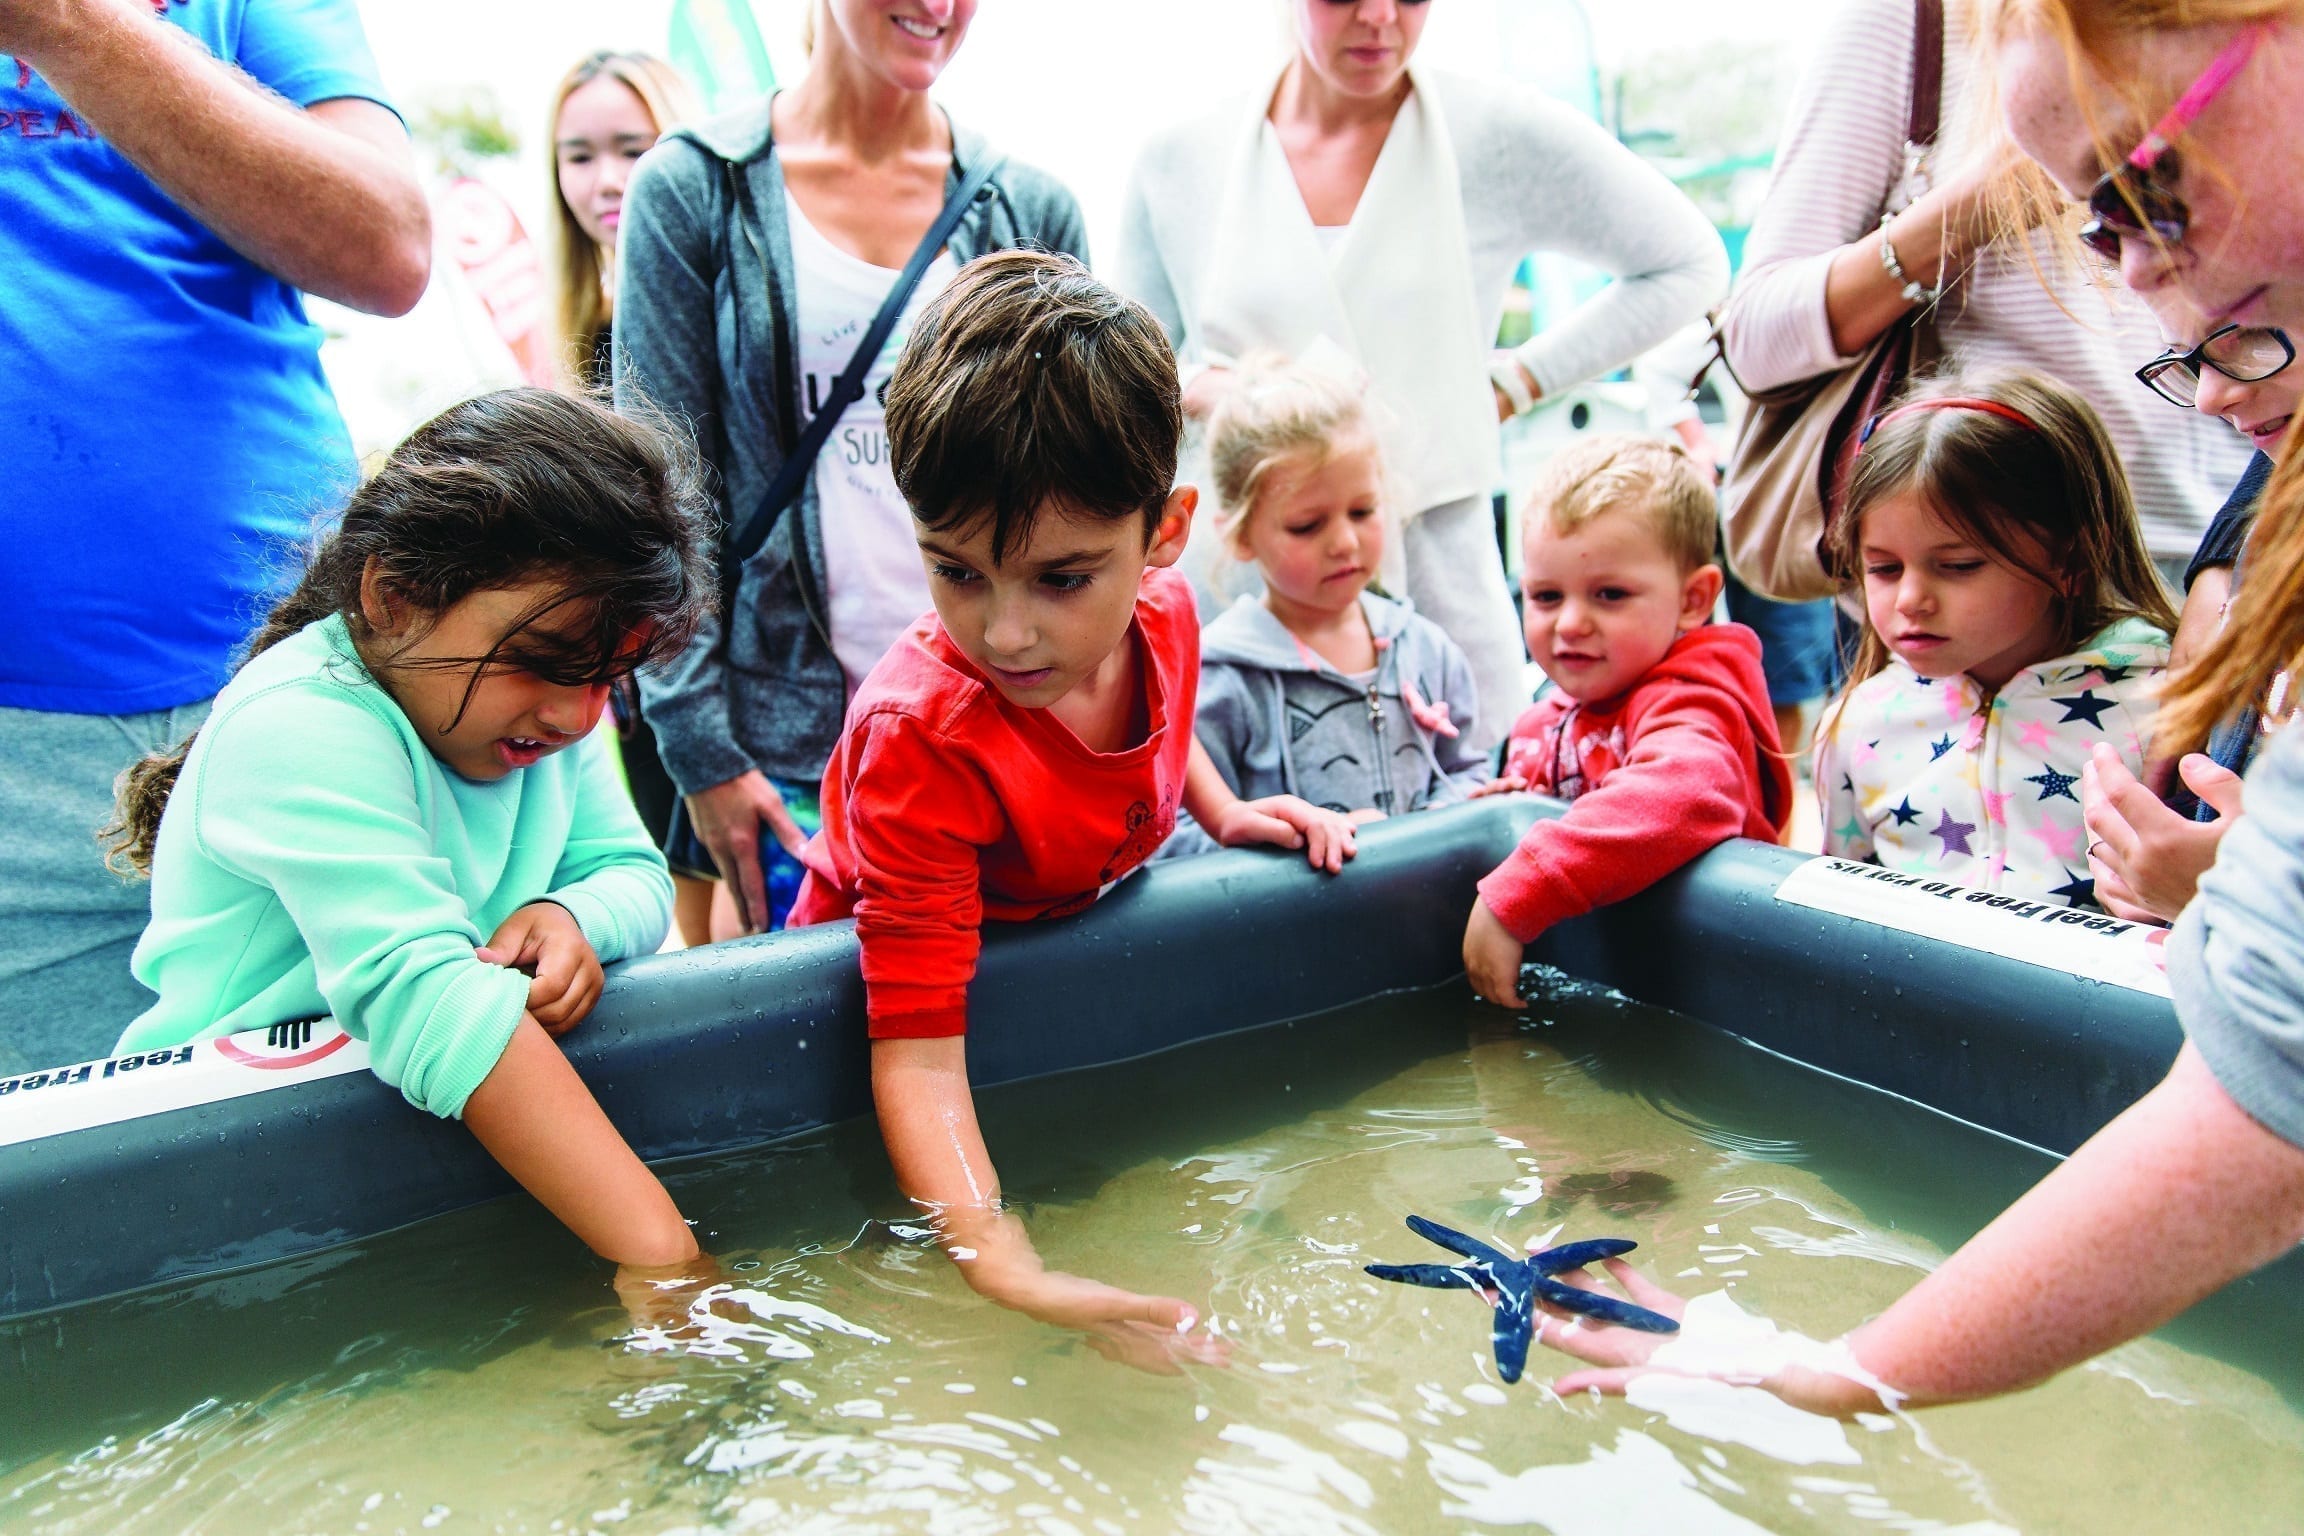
x,y
1514,1286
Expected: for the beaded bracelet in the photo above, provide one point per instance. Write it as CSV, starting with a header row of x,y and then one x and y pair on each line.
x,y
1913,293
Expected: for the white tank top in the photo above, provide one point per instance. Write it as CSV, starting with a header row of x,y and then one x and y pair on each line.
x,y
874,586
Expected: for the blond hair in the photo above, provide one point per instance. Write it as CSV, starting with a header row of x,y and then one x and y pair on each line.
x,y
583,306
1277,410
1652,480
2263,635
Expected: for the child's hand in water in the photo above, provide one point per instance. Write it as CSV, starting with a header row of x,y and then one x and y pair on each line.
x,y
1492,958
1158,1334
543,940
1284,821
661,1299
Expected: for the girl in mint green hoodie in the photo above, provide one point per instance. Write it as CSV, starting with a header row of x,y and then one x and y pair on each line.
x,y
394,814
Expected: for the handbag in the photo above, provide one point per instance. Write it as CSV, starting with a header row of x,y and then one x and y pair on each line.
x,y
1788,472
684,850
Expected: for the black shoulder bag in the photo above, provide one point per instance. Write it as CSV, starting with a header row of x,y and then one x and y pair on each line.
x,y
682,847
800,461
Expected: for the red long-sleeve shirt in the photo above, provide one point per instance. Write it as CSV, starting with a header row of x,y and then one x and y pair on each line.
x,y
945,804
1685,759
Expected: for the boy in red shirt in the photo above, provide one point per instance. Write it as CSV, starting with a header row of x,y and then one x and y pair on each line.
x,y
1029,742
1657,730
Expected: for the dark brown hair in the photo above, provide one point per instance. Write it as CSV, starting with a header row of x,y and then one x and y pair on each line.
x,y
1027,383
2048,499
504,489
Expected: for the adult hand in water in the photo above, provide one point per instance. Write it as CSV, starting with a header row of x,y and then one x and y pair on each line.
x,y
542,939
728,818
2145,859
1492,958
1716,1341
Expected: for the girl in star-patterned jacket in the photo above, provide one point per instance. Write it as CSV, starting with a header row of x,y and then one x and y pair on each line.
x,y
2015,622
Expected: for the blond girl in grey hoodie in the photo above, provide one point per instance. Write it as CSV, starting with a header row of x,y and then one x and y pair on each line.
x,y
1320,686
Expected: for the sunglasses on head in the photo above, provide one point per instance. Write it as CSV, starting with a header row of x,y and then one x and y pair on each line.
x,y
2137,196
2243,354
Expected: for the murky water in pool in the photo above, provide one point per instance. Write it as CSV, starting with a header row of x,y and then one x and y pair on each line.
x,y
465,1375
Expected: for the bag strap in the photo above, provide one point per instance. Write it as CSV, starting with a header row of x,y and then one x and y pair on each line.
x,y
848,388
1927,115
1923,123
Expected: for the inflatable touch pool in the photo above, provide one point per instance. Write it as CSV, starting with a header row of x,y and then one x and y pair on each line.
x,y
2034,1021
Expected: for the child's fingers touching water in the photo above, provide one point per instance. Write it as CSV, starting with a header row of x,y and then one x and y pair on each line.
x,y
1492,958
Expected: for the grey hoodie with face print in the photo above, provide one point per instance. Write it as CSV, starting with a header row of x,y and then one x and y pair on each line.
x,y
1277,719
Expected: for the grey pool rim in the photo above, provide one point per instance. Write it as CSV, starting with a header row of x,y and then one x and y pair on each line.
x,y
750,1042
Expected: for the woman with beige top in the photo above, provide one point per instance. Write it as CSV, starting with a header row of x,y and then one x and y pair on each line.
x,y
1815,289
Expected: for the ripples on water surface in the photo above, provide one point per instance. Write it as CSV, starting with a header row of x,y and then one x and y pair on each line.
x,y
468,1375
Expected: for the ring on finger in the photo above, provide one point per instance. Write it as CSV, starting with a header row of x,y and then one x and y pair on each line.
x,y
2095,849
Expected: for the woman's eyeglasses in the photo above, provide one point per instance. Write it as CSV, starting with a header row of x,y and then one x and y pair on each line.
x,y
2138,195
2239,353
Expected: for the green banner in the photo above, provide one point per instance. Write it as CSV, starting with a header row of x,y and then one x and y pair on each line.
x,y
717,45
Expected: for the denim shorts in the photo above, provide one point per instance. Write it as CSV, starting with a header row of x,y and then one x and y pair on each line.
x,y
1799,646
686,852
67,923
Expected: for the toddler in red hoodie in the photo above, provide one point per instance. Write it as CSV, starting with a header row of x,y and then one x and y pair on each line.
x,y
1657,728
1030,741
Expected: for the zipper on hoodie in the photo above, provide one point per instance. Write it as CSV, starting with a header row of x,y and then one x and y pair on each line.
x,y
1381,760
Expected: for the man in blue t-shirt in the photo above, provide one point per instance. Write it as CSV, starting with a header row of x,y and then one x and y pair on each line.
x,y
172,173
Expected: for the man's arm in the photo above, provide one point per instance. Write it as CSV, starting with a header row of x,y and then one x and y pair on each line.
x,y
323,198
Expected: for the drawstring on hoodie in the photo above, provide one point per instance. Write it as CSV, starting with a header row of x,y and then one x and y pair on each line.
x,y
1387,798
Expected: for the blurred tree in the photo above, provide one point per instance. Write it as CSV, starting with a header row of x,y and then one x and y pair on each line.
x,y
459,126
1708,115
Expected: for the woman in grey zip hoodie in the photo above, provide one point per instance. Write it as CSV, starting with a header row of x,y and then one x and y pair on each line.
x,y
707,318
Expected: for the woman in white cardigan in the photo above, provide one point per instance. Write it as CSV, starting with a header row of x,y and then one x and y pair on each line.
x,y
1384,209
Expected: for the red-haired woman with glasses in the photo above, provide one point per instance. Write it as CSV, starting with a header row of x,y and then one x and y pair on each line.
x,y
2202,1180
2147,856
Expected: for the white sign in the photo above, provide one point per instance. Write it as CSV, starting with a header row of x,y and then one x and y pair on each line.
x,y
2080,940
92,1093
